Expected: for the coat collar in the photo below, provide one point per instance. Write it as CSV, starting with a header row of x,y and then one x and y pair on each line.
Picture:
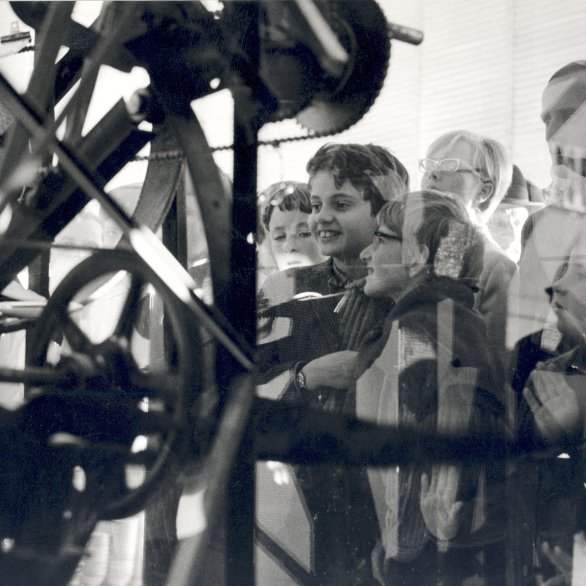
x,y
432,290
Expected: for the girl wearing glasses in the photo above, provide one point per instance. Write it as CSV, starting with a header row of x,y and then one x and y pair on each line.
x,y
428,368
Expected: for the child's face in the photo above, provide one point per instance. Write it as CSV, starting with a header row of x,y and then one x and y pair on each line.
x,y
341,218
569,295
292,243
388,274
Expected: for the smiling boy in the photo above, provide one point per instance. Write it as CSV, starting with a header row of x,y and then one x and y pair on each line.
x,y
349,183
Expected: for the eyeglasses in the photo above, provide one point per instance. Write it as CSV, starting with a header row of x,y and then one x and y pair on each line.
x,y
384,237
447,166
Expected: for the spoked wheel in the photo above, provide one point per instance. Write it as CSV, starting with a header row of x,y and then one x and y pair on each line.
x,y
123,399
44,195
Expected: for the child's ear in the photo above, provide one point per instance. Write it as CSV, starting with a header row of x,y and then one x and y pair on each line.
x,y
418,259
485,192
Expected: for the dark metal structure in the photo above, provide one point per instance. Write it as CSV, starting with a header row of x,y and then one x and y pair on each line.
x,y
322,62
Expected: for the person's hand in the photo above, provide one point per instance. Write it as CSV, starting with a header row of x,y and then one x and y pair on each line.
x,y
563,564
440,510
280,472
334,370
377,559
554,405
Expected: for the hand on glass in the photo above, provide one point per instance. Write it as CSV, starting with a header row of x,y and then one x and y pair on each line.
x,y
563,563
440,510
377,559
334,370
554,405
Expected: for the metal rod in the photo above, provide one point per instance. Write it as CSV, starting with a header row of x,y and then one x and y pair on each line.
x,y
191,553
31,375
301,435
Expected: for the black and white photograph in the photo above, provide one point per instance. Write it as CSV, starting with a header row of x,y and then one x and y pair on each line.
x,y
293,293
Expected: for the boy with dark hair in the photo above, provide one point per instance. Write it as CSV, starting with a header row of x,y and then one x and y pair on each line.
x,y
348,183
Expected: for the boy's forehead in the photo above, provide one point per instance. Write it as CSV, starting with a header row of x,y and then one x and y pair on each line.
x,y
324,183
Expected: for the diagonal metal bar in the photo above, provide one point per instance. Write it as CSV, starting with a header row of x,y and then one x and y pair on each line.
x,y
47,209
221,460
39,92
284,559
77,106
302,435
144,242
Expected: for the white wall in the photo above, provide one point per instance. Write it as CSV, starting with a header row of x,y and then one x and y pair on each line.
x,y
482,66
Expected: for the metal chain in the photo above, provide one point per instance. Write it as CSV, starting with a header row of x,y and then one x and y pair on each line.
x,y
178,154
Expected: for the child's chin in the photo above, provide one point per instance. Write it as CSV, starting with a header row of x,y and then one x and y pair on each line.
x,y
370,290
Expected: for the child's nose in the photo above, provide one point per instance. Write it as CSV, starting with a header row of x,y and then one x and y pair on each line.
x,y
291,244
366,255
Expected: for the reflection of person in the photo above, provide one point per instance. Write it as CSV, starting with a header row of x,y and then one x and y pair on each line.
x,y
546,493
506,223
554,415
478,170
285,218
427,367
348,185
548,232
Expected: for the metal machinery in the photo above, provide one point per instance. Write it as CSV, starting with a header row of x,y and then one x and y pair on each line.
x,y
74,441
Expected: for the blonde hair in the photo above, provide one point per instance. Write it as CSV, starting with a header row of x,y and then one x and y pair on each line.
x,y
490,158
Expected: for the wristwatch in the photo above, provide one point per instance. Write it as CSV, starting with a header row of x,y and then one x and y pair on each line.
x,y
300,381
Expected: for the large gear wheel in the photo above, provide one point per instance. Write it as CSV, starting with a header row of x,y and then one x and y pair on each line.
x,y
362,29
98,373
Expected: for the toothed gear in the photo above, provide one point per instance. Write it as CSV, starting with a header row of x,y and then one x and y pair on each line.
x,y
363,31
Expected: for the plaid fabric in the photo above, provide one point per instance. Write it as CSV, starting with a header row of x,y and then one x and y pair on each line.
x,y
337,500
292,331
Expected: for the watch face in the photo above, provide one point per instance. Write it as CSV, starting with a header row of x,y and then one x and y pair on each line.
x,y
301,380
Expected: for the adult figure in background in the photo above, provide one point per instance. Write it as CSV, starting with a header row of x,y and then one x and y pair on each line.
x,y
547,233
478,170
553,415
548,238
349,183
506,223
